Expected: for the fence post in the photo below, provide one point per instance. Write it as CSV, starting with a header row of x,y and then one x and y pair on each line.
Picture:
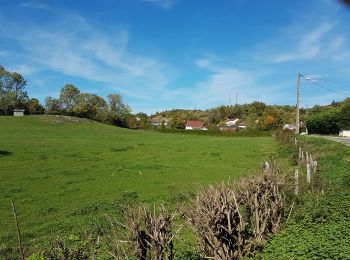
x,y
308,173
302,156
311,161
315,166
296,177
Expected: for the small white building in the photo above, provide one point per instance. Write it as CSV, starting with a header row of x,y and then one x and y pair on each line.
x,y
231,122
344,133
242,125
290,127
18,112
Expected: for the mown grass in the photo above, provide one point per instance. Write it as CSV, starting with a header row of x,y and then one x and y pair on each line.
x,y
64,174
320,226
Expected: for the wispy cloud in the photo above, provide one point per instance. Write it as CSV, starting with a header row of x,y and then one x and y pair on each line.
x,y
308,45
164,4
89,52
35,5
223,82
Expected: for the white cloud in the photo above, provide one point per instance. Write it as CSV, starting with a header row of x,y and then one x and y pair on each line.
x,y
23,69
203,63
35,5
164,4
89,52
222,84
308,45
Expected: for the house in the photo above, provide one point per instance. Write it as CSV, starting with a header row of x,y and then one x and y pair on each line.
x,y
231,122
344,133
290,127
158,121
242,125
18,112
195,125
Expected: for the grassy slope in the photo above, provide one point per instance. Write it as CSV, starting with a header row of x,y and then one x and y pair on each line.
x,y
65,176
320,227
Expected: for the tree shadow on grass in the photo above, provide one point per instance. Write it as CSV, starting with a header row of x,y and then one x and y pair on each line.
x,y
4,153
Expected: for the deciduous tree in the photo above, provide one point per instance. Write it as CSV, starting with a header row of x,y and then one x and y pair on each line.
x,y
12,91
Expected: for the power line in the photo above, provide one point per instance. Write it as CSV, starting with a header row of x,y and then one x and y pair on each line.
x,y
326,88
329,80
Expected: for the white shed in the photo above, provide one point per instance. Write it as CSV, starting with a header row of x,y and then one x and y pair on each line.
x,y
18,112
344,133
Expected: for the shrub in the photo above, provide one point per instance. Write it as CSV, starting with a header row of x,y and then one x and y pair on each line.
x,y
234,220
324,123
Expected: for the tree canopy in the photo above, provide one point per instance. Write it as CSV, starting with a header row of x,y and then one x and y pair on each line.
x,y
73,102
12,91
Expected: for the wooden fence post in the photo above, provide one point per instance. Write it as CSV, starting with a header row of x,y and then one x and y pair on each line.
x,y
296,177
315,166
302,156
311,161
308,173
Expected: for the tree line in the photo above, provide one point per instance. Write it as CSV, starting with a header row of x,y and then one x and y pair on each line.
x,y
257,115
329,119
73,102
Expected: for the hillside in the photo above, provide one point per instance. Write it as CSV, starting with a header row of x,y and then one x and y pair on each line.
x,y
65,173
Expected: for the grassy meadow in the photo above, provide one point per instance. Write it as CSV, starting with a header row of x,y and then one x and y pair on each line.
x,y
65,173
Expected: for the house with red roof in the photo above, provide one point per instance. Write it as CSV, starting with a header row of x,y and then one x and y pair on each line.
x,y
195,125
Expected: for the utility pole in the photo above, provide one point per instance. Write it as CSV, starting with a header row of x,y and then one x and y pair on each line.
x,y
297,120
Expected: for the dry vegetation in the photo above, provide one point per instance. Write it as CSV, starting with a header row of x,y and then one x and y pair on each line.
x,y
230,220
146,234
233,220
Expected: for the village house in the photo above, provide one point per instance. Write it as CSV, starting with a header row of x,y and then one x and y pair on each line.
x,y
231,122
233,125
159,121
242,125
195,125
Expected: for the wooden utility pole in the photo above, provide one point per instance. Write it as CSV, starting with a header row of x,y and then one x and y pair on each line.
x,y
297,120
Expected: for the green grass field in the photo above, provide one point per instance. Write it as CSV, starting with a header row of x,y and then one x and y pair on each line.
x,y
64,175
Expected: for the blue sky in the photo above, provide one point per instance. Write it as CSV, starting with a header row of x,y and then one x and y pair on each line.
x,y
164,54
